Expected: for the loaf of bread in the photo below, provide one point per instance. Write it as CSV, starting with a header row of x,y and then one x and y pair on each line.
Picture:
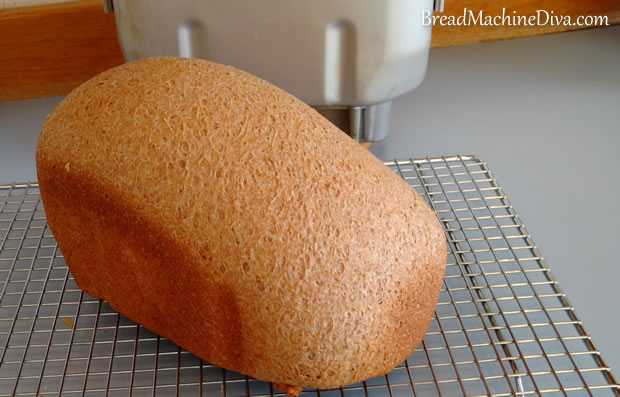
x,y
221,212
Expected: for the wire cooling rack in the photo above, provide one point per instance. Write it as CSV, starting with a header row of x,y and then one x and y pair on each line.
x,y
502,325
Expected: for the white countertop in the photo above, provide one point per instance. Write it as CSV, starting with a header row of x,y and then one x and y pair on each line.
x,y
544,112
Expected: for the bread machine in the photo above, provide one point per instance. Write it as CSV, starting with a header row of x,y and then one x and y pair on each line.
x,y
346,58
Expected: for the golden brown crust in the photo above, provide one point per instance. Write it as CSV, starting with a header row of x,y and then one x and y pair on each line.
x,y
223,213
292,391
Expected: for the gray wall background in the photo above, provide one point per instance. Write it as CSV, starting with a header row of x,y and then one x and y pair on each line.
x,y
544,112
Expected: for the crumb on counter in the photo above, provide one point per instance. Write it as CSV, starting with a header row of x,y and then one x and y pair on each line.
x,y
68,321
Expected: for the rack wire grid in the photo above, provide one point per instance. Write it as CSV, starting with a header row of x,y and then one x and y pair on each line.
x,y
502,325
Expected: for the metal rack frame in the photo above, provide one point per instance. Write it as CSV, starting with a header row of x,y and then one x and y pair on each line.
x,y
502,325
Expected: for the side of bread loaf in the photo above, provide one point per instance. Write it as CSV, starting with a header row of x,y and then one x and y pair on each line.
x,y
223,213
